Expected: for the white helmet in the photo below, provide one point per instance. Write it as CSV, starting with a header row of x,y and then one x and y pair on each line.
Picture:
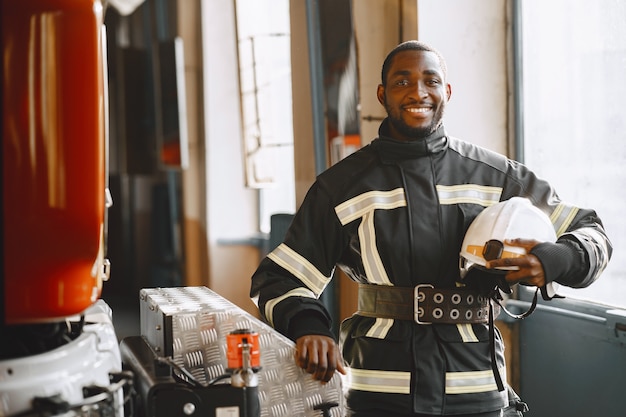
x,y
510,219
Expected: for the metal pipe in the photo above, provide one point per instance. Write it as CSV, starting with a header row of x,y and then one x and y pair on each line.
x,y
317,84
329,297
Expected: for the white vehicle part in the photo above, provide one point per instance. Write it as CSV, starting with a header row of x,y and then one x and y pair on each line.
x,y
63,372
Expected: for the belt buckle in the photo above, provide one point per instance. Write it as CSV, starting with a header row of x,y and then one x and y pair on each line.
x,y
416,303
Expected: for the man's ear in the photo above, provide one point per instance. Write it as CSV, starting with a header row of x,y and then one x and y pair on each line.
x,y
449,90
380,93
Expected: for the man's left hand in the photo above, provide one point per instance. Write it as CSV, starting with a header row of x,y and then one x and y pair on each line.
x,y
530,269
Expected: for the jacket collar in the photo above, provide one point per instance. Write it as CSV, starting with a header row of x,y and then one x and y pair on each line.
x,y
394,150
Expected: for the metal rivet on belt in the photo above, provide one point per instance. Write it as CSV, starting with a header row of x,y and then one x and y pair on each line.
x,y
437,313
438,298
454,314
420,312
468,314
479,313
420,296
470,299
456,298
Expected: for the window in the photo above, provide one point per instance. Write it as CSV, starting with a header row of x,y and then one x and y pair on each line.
x,y
574,115
265,88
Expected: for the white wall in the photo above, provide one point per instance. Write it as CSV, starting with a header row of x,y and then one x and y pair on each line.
x,y
230,203
471,35
231,208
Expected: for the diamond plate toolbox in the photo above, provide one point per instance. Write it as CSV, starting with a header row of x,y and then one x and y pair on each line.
x,y
190,325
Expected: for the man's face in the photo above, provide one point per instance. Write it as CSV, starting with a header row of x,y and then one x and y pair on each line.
x,y
415,94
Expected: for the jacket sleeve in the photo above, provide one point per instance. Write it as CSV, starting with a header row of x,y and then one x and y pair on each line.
x,y
582,250
288,282
580,254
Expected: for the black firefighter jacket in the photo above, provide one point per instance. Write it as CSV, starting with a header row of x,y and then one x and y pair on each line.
x,y
395,213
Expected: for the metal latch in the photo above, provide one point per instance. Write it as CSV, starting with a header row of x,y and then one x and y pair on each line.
x,y
419,297
616,324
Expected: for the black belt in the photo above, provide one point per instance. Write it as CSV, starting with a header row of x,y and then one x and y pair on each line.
x,y
424,304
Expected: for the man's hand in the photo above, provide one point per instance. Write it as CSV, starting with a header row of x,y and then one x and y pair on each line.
x,y
530,269
320,356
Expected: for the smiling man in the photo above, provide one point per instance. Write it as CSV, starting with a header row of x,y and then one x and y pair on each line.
x,y
393,217
414,91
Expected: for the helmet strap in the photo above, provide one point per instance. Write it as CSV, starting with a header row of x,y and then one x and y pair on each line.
x,y
497,297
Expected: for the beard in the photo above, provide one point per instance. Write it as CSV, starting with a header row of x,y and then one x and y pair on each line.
x,y
395,119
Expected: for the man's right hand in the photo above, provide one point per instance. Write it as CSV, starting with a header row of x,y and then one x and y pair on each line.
x,y
320,356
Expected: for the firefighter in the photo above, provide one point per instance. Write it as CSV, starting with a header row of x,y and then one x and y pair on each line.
x,y
393,216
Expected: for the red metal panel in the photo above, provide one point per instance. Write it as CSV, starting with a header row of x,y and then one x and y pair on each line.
x,y
53,156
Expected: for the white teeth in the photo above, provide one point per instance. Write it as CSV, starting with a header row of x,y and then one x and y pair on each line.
x,y
418,110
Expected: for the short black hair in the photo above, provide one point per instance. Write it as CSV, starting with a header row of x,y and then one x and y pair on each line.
x,y
412,46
